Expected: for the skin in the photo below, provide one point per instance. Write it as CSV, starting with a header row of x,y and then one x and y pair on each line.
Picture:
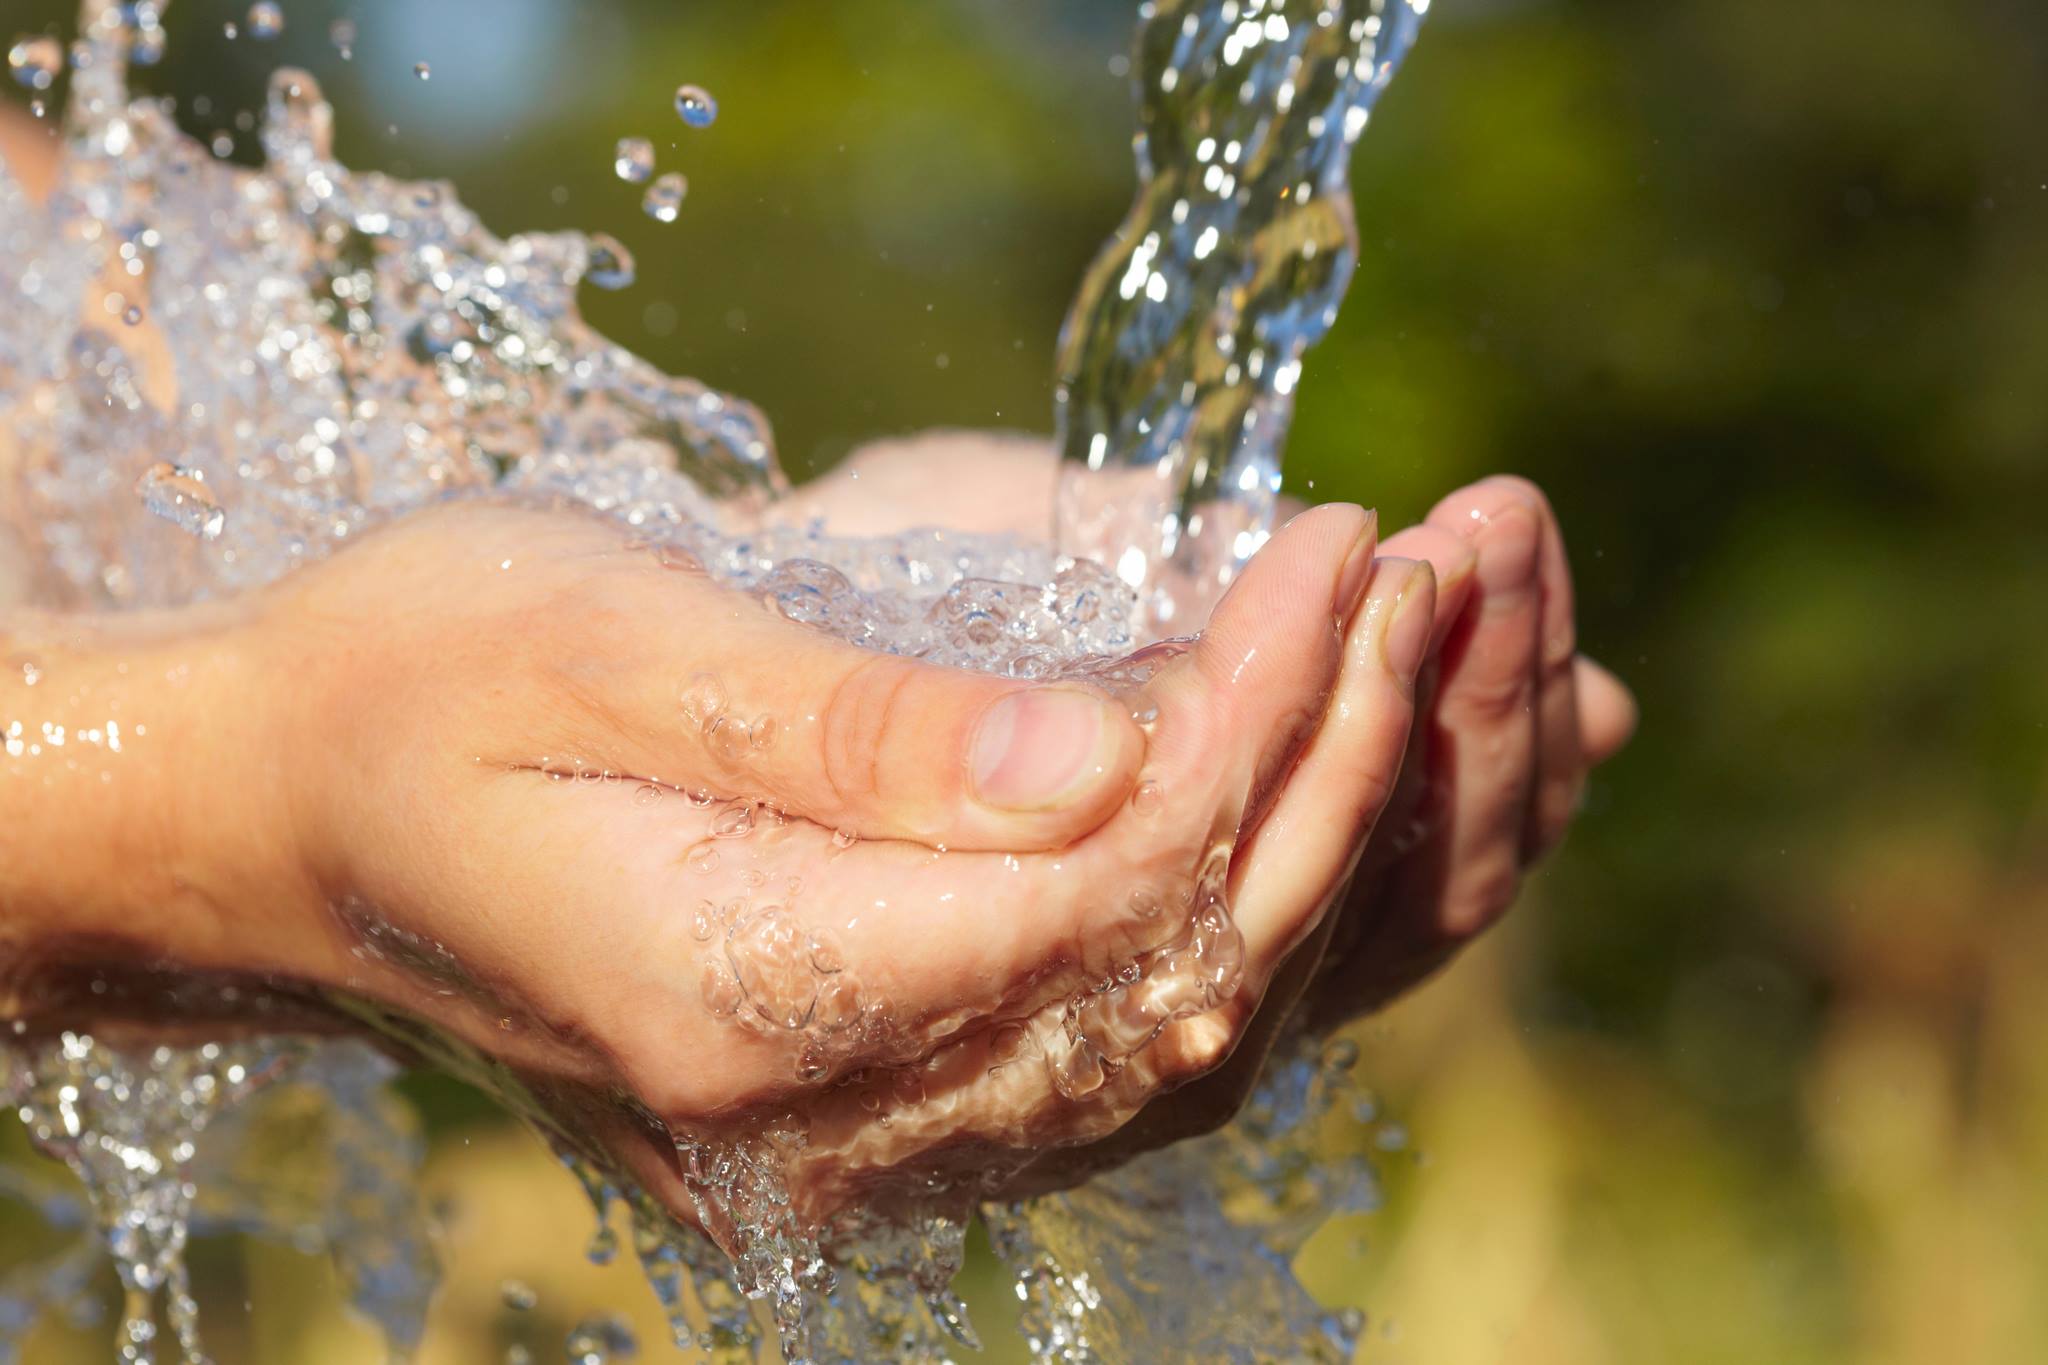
x,y
459,770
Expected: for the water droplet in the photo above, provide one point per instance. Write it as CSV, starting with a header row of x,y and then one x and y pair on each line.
x,y
704,921
132,315
839,1003
764,731
664,199
35,61
908,1087
647,795
1005,1043
603,1340
730,738
736,821
633,162
1147,798
609,265
1146,716
722,993
844,838
517,1295
181,497
423,71
812,1064
702,857
695,105
342,33
266,19
703,700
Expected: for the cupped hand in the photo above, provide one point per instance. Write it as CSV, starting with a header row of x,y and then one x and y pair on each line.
x,y
1405,860
681,864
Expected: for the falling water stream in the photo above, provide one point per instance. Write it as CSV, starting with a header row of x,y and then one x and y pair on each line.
x,y
351,347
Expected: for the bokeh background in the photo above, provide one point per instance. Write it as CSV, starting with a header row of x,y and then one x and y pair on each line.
x,y
1758,291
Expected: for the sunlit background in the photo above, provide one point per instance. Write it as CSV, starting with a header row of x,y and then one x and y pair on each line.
x,y
1758,291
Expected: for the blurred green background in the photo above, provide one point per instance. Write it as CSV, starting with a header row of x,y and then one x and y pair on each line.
x,y
1758,291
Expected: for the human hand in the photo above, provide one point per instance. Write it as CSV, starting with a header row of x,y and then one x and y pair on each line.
x,y
1511,721
472,770
1513,716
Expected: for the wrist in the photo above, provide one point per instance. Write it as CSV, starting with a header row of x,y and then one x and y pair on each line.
x,y
140,806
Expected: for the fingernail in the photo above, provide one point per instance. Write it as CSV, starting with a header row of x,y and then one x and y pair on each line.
x,y
1405,636
1357,570
1507,548
1036,750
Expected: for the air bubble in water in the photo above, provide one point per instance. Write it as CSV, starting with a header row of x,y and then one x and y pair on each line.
x,y
266,19
230,30
702,858
132,315
181,497
695,105
1147,798
517,1295
663,201
633,162
342,33
610,265
35,61
423,71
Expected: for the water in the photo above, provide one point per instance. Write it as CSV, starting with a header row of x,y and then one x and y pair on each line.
x,y
695,106
633,162
1179,359
351,347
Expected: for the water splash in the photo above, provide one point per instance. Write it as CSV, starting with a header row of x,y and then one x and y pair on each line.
x,y
351,347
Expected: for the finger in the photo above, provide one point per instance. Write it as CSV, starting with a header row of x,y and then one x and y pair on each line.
x,y
1560,756
1264,666
1485,727
1309,842
1451,558
1607,711
883,746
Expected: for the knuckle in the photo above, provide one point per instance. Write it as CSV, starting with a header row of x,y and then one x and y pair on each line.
x,y
1523,491
1484,892
1488,691
861,712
